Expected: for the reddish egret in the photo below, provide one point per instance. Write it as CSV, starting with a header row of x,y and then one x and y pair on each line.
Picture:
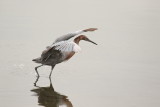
x,y
62,49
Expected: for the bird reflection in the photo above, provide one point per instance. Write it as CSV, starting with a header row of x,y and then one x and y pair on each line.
x,y
48,97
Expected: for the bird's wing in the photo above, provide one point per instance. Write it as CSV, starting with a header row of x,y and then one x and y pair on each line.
x,y
46,53
59,48
68,36
66,46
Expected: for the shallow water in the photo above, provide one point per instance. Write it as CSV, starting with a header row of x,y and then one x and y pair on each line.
x,y
121,71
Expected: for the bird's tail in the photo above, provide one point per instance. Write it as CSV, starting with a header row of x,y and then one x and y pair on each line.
x,y
37,60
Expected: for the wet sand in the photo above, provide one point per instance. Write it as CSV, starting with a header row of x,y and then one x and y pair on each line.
x,y
121,71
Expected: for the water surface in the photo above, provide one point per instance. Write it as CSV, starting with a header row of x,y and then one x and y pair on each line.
x,y
121,71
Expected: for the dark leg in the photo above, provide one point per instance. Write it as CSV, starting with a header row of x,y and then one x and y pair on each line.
x,y
51,71
37,68
50,81
35,83
51,86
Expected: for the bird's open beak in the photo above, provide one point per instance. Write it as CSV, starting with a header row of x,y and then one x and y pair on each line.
x,y
91,41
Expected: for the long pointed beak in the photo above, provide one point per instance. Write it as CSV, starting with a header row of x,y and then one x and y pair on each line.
x,y
91,41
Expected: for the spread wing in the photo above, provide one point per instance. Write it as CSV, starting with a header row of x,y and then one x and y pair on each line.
x,y
66,46
59,48
50,52
68,36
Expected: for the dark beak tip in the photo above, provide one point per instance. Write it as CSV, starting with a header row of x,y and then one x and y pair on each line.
x,y
93,42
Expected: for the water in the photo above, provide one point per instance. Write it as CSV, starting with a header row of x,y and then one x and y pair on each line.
x,y
121,71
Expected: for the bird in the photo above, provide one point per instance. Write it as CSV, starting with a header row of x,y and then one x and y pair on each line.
x,y
62,49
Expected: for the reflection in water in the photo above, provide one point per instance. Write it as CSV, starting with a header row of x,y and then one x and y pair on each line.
x,y
48,97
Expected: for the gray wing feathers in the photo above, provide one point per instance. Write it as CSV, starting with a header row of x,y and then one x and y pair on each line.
x,y
68,36
55,51
64,46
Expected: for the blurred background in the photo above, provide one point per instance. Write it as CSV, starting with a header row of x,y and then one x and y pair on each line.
x,y
123,70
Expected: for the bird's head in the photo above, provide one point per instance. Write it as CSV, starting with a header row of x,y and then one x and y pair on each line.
x,y
83,37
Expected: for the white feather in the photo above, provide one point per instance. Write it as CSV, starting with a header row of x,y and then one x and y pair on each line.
x,y
76,48
66,46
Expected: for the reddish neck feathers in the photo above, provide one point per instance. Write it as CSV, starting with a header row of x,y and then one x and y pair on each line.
x,y
76,40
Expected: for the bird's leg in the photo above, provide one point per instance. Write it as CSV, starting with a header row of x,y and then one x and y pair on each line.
x,y
37,68
51,70
50,81
51,86
35,83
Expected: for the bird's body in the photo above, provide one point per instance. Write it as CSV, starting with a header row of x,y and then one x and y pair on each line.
x,y
58,53
62,49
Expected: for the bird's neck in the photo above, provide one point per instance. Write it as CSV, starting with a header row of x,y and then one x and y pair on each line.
x,y
76,40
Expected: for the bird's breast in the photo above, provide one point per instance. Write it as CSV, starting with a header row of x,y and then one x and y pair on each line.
x,y
68,55
76,48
